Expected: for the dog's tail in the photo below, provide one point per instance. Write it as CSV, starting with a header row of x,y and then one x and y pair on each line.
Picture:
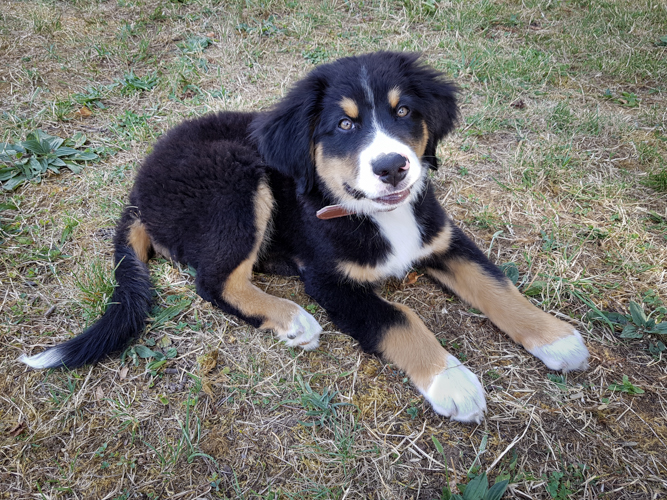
x,y
126,312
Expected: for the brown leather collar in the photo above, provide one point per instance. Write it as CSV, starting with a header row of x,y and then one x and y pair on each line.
x,y
332,212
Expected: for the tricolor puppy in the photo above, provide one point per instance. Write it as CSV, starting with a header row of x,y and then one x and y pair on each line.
x,y
330,185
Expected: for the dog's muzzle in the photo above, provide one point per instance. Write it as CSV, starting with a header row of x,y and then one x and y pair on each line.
x,y
391,168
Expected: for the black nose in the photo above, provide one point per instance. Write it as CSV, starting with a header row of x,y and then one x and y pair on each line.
x,y
391,168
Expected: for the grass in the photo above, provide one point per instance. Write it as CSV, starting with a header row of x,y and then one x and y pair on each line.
x,y
39,154
557,170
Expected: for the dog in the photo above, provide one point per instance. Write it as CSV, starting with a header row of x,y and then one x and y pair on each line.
x,y
330,185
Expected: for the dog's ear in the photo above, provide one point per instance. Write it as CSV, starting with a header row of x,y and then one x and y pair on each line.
x,y
442,111
283,134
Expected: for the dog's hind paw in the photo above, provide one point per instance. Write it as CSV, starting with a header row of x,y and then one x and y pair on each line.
x,y
565,354
457,393
304,331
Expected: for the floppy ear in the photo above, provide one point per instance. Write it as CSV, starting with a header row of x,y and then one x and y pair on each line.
x,y
442,111
283,134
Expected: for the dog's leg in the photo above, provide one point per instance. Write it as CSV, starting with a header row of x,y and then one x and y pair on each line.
x,y
290,322
397,334
237,295
464,269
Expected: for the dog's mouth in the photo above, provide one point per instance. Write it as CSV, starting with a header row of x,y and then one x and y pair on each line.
x,y
389,199
388,203
393,198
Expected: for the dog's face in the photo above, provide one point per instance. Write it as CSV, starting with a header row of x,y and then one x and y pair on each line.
x,y
362,129
368,144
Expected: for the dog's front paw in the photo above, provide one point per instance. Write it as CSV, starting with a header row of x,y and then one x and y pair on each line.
x,y
565,354
456,393
304,331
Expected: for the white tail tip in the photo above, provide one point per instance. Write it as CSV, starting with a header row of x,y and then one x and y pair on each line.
x,y
47,359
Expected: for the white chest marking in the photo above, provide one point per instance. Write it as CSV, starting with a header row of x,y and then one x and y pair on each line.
x,y
400,229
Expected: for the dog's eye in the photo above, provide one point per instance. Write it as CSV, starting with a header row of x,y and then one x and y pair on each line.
x,y
346,124
402,112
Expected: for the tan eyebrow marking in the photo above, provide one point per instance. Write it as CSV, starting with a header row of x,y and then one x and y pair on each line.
x,y
394,96
350,107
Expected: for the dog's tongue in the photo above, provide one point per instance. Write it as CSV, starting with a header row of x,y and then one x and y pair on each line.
x,y
332,212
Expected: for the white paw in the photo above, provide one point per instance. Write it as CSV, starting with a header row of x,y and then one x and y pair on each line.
x,y
457,393
304,331
566,354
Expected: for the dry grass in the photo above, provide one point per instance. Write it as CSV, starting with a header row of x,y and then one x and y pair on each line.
x,y
547,171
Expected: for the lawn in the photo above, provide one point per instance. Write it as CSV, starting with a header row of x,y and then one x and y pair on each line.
x,y
558,170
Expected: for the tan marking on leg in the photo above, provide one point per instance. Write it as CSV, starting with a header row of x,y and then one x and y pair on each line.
x,y
413,348
241,293
394,96
349,107
263,207
252,301
362,273
503,304
139,240
442,241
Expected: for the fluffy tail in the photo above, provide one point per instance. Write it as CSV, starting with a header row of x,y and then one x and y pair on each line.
x,y
124,318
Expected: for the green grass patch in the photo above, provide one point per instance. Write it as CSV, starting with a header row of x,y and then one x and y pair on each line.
x,y
95,284
40,153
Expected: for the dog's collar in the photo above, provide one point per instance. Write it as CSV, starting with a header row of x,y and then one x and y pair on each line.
x,y
332,212
335,211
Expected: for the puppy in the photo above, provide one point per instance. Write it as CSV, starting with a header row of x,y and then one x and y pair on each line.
x,y
330,185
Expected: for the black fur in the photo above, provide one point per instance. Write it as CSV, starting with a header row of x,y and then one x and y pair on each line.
x,y
194,195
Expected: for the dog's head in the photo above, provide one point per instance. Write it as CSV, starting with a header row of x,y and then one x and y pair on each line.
x,y
364,129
